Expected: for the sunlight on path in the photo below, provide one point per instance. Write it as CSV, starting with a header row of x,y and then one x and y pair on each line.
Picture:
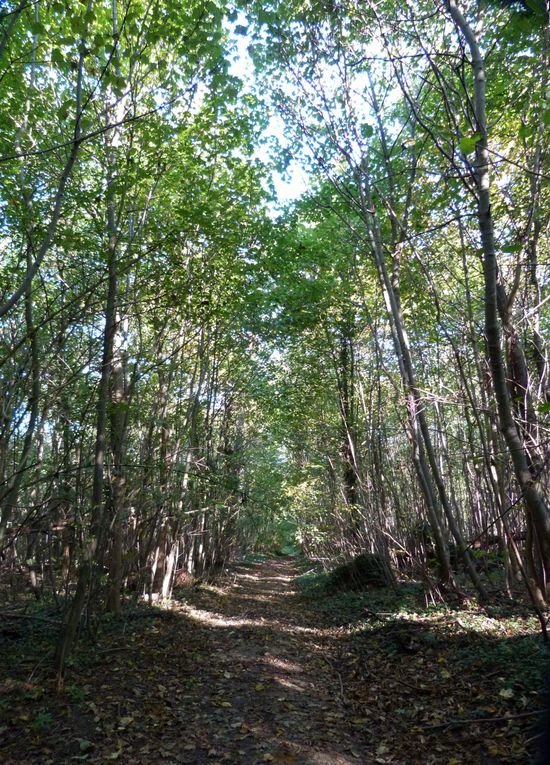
x,y
218,620
266,691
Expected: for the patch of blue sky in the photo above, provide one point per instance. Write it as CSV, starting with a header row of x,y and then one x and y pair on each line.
x,y
291,184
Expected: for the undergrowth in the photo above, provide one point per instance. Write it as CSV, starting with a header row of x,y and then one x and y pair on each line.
x,y
501,641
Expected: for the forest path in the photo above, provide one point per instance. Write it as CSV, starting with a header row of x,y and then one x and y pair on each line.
x,y
264,689
244,671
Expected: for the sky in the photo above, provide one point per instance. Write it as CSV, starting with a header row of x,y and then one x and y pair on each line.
x,y
294,182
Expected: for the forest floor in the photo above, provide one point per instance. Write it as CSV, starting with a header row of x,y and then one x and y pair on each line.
x,y
257,668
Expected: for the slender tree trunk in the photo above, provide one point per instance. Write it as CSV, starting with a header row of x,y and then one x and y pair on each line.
x,y
423,453
118,419
11,495
96,536
535,502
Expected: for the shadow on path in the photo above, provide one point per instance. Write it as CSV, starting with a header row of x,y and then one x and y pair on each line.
x,y
245,672
266,693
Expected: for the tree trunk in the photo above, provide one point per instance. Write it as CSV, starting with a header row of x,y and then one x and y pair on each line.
x,y
533,497
96,535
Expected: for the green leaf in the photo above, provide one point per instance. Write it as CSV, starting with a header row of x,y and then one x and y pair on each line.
x,y
538,7
78,25
467,143
37,28
119,85
57,57
546,117
64,109
366,130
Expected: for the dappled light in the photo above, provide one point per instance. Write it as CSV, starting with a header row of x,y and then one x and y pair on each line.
x,y
280,664
274,382
252,670
254,589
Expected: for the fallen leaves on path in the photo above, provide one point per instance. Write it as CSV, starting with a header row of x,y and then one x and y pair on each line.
x,y
246,672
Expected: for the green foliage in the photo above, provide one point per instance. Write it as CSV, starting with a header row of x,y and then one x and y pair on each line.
x,y
42,721
350,607
75,693
467,144
262,401
524,658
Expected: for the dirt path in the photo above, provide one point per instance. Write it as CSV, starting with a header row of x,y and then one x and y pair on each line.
x,y
232,674
245,672
265,691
